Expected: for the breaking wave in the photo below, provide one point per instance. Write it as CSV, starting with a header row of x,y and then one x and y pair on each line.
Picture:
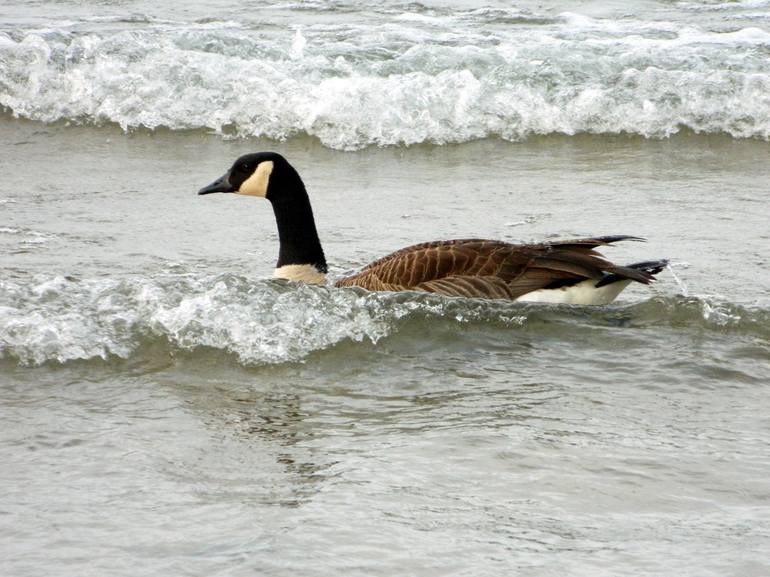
x,y
262,322
407,78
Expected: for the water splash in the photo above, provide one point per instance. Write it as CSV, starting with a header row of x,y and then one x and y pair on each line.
x,y
298,44
680,283
263,322
402,81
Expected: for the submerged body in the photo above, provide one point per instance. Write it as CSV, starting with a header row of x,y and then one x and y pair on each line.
x,y
569,271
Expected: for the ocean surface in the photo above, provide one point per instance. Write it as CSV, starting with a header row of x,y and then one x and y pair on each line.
x,y
169,409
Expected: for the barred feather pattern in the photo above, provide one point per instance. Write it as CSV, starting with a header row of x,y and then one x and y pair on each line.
x,y
479,268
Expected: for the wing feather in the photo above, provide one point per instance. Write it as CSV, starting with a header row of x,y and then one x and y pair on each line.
x,y
488,287
492,269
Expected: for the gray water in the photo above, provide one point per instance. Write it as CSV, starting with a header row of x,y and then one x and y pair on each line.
x,y
168,409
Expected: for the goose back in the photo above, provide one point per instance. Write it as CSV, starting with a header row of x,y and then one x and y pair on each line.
x,y
492,269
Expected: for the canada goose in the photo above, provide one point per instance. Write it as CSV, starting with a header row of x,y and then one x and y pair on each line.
x,y
568,271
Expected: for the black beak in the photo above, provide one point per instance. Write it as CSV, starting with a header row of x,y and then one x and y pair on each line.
x,y
221,184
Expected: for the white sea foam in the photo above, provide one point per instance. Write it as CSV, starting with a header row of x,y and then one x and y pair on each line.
x,y
413,78
60,319
263,322
724,6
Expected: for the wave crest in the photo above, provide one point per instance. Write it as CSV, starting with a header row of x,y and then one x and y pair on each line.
x,y
399,83
264,322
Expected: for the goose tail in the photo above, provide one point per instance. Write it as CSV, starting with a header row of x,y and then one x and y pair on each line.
x,y
647,268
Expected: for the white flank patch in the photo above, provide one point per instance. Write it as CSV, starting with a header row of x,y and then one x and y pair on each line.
x,y
256,184
583,293
301,273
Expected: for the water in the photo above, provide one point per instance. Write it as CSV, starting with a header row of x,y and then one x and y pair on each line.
x,y
169,409
353,75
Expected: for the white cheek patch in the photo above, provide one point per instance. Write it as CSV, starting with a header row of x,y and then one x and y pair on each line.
x,y
256,184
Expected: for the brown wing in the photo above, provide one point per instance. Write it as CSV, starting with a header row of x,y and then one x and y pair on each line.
x,y
488,268
414,265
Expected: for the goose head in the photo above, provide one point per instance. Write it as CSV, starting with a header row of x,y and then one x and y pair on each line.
x,y
262,174
268,175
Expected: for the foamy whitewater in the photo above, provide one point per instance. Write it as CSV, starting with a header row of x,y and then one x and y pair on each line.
x,y
271,322
355,75
169,409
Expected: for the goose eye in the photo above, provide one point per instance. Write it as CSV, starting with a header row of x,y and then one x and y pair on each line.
x,y
244,166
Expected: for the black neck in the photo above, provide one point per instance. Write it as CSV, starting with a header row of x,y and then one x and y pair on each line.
x,y
296,231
